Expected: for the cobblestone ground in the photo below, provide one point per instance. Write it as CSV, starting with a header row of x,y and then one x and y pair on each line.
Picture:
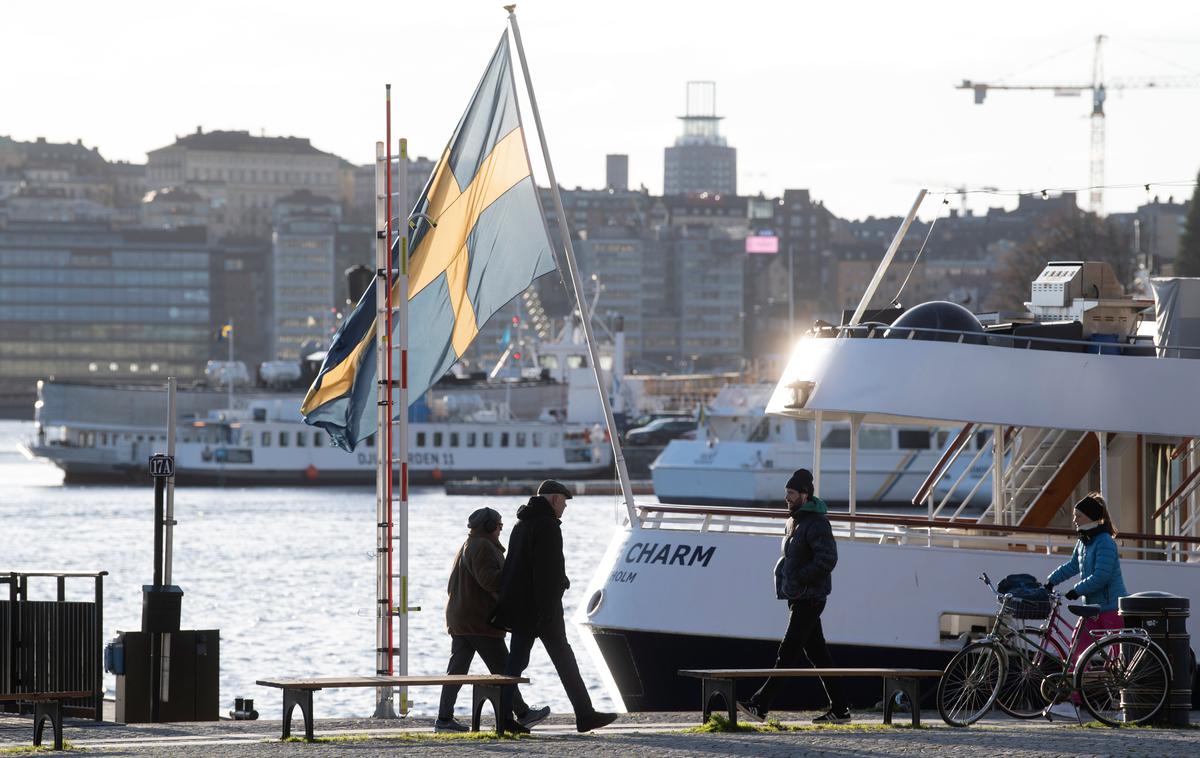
x,y
643,734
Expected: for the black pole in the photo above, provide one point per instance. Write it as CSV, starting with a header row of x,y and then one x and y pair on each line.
x,y
160,488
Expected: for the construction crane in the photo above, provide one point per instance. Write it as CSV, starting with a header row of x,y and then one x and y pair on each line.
x,y
1099,89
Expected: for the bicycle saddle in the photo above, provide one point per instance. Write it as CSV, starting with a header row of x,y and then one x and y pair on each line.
x,y
1086,611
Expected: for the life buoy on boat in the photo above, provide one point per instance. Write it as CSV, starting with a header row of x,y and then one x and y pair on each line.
x,y
311,473
437,474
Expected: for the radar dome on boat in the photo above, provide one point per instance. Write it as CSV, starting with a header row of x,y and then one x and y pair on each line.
x,y
936,314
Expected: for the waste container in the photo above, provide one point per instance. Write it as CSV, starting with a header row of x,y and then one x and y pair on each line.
x,y
1164,616
161,608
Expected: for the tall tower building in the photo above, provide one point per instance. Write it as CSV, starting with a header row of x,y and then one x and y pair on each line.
x,y
700,161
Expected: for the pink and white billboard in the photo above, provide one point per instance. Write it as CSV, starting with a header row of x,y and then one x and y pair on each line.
x,y
762,243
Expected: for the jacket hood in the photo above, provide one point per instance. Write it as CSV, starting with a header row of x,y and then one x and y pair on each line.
x,y
812,505
537,507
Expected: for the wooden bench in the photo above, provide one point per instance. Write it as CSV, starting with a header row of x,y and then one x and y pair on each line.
x,y
722,682
299,692
47,706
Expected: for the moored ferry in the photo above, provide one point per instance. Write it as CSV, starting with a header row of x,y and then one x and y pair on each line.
x,y
1102,408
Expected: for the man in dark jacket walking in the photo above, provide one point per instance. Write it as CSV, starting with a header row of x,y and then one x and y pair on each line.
x,y
531,591
473,588
802,577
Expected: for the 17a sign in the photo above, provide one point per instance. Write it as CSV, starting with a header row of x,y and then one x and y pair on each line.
x,y
162,466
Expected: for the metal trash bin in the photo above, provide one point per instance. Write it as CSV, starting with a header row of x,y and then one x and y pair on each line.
x,y
1164,616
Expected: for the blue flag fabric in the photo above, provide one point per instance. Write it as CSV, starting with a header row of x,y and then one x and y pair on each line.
x,y
487,244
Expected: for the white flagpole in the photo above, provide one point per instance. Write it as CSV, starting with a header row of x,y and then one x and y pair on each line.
x,y
585,316
400,540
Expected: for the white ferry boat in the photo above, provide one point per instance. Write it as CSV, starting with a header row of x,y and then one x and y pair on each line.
x,y
690,587
742,457
263,440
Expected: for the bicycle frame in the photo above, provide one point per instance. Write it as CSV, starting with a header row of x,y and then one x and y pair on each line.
x,y
1053,630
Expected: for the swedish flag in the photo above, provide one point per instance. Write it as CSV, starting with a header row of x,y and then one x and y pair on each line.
x,y
487,243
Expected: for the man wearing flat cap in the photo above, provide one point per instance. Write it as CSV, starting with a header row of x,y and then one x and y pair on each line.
x,y
473,588
530,605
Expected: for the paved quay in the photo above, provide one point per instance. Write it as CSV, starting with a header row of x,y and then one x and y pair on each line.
x,y
652,734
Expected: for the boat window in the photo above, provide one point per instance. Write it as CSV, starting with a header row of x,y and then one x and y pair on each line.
x,y
487,439
470,439
371,441
265,439
247,439
437,439
553,441
104,438
913,439
420,439
283,439
318,440
981,439
943,438
535,439
802,431
503,439
453,439
301,439
520,439
837,437
874,439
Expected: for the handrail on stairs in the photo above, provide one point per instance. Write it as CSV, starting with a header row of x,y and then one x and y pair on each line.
x,y
951,453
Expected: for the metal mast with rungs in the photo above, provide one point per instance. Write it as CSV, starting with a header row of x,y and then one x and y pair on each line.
x,y
391,421
1099,89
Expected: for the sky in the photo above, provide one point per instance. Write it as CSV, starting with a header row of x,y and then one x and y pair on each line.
x,y
854,101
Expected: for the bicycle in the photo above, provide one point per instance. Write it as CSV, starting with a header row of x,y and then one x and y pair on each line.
x,y
1122,678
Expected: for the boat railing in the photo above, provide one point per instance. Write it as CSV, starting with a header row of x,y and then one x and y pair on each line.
x,y
996,339
914,530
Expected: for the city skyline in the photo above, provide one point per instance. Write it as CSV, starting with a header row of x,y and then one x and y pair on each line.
x,y
879,116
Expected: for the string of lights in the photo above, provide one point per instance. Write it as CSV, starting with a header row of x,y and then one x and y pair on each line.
x,y
1044,192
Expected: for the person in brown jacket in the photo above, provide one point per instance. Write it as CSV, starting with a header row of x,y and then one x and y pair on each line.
x,y
473,588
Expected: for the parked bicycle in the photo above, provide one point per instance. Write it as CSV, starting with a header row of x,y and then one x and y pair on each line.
x,y
1122,678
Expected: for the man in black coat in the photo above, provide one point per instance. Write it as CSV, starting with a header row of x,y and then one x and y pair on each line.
x,y
530,603
803,579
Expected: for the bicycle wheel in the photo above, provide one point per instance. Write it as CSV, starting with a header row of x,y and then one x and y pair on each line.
x,y
1123,679
970,683
1031,657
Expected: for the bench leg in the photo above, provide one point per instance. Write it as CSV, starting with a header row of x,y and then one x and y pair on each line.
x,y
485,693
910,687
303,699
709,688
48,710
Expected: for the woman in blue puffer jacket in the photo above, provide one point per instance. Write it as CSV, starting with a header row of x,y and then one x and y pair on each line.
x,y
1098,563
1096,560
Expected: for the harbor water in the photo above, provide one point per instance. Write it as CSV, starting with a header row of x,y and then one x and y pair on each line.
x,y
286,574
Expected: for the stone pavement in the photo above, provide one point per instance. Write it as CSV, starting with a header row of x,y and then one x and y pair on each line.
x,y
641,734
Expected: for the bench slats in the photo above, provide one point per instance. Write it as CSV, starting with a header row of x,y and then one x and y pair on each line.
x,y
317,683
38,696
760,673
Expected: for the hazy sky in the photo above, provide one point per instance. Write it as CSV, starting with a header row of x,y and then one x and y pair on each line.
x,y
853,100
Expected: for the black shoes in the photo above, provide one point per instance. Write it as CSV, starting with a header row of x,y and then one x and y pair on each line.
x,y
594,720
450,725
753,710
534,717
515,727
833,717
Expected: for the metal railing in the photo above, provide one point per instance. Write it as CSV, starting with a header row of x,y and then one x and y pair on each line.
x,y
995,339
907,530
